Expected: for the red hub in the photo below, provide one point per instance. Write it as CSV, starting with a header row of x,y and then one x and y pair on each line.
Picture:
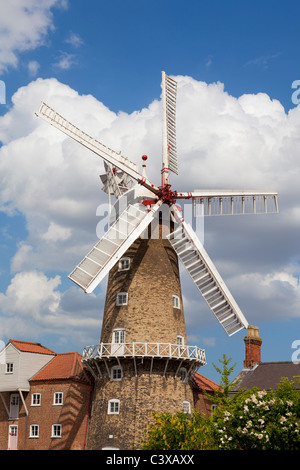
x,y
168,196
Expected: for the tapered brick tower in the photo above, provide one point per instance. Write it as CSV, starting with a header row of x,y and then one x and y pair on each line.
x,y
143,363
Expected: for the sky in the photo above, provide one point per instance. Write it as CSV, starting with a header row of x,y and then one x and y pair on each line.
x,y
99,64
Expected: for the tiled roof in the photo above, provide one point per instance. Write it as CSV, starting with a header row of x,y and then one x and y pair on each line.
x,y
62,367
266,375
27,346
202,382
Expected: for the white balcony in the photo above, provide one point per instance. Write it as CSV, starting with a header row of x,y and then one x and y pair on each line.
x,y
144,350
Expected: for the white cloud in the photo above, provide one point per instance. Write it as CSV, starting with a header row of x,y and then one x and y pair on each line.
x,y
65,61
33,305
74,39
223,142
24,25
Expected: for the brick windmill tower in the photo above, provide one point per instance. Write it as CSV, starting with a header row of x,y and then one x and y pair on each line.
x,y
143,363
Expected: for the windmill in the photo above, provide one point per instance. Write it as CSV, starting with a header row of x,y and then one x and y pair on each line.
x,y
143,201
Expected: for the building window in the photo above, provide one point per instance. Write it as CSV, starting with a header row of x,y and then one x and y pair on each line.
x,y
176,301
180,340
56,430
58,398
34,430
116,373
186,407
9,367
36,399
113,407
122,299
124,264
183,374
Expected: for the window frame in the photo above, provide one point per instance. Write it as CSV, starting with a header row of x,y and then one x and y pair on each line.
x,y
56,431
113,369
34,431
61,396
176,301
118,302
9,368
114,402
126,260
121,332
38,397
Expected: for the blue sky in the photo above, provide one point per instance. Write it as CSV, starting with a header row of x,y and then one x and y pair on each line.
x,y
100,63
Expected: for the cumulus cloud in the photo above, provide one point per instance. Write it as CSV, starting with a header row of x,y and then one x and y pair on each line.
x,y
24,25
248,142
33,305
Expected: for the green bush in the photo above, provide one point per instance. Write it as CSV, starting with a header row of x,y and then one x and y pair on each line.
x,y
179,432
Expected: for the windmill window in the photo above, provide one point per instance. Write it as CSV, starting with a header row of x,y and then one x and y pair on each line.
x,y
186,407
113,407
124,264
183,374
180,340
176,301
119,335
116,373
122,299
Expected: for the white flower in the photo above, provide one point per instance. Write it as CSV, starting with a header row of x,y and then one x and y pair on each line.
x,y
282,419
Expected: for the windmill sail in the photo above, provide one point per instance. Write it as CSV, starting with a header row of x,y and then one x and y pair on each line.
x,y
119,237
109,155
206,277
169,88
232,202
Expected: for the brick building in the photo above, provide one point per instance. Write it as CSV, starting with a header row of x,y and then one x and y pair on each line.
x,y
45,398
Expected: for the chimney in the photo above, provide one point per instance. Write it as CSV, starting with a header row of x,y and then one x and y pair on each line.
x,y
253,344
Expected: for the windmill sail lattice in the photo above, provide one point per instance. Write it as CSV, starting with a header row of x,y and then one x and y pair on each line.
x,y
119,237
169,87
206,277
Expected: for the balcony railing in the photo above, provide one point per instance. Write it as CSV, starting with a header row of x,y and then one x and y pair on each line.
x,y
145,350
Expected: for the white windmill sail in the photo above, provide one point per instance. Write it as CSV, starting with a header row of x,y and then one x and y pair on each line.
x,y
169,92
233,202
109,155
206,277
119,237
